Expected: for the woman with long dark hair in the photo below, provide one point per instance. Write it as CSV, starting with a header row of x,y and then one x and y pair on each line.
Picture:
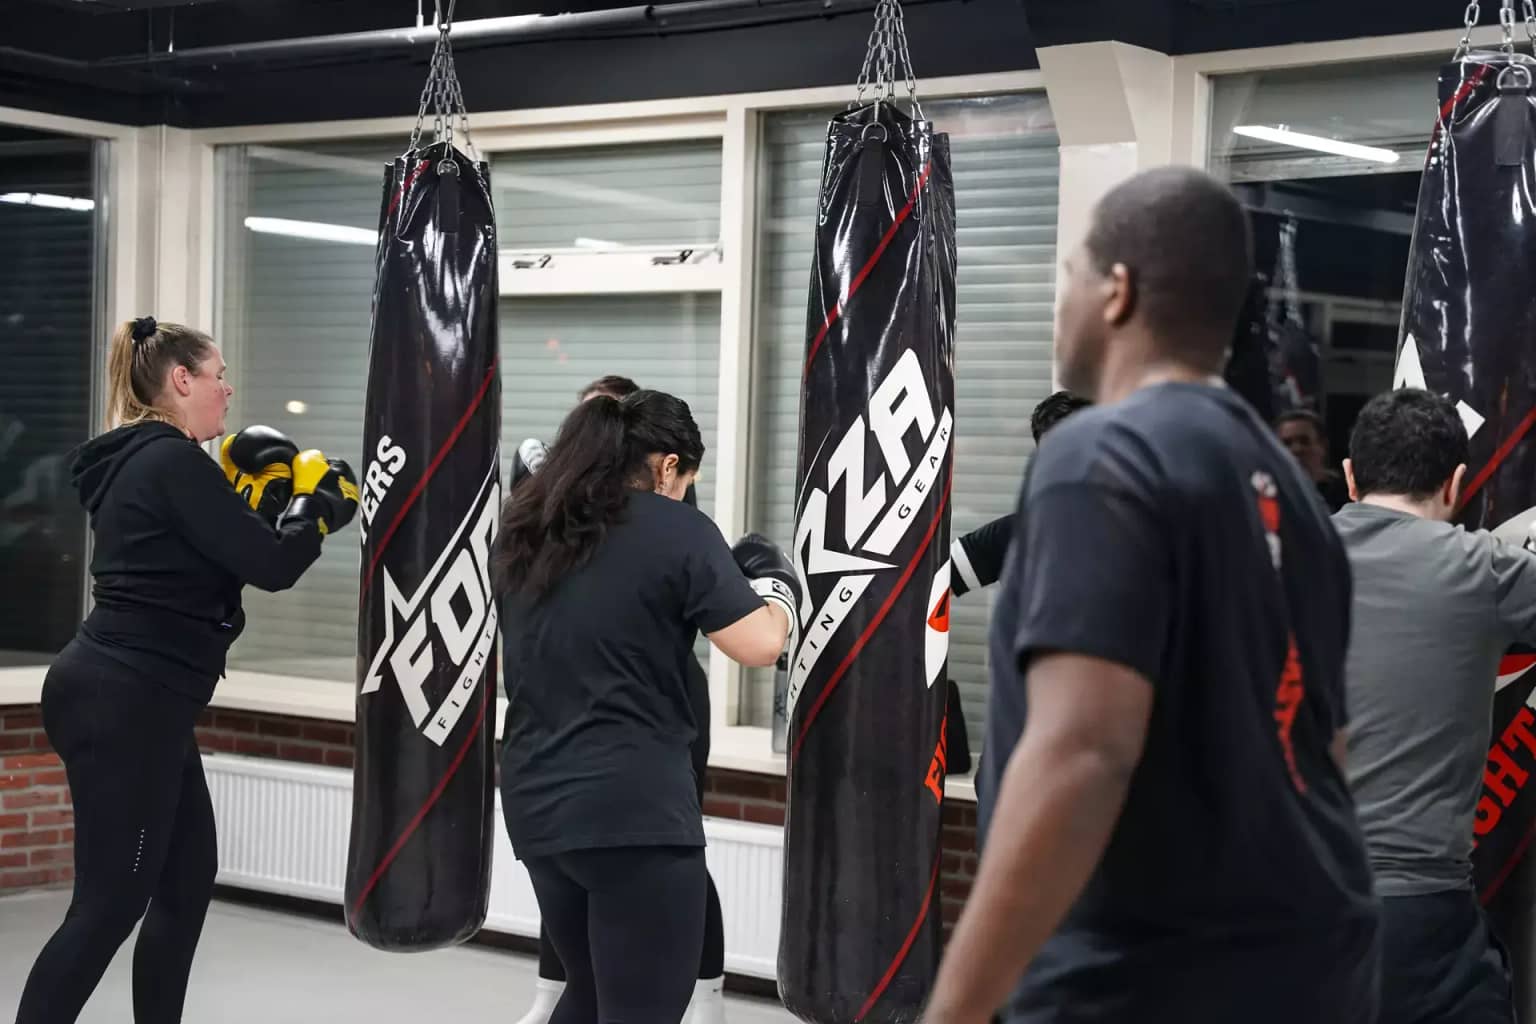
x,y
609,577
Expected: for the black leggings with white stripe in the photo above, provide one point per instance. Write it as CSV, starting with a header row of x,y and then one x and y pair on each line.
x,y
144,839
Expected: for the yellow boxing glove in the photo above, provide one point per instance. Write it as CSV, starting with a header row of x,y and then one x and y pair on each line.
x,y
324,490
256,462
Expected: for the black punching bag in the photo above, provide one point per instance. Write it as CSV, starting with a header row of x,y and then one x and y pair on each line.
x,y
418,871
867,690
1469,333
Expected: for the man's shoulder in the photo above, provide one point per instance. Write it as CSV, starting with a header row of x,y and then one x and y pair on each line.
x,y
1108,446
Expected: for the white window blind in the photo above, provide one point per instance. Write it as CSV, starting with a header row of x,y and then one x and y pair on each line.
x,y
1005,161
295,315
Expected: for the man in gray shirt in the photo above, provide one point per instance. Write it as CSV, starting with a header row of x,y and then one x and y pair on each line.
x,y
1434,609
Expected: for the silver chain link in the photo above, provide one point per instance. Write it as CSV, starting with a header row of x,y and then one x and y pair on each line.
x,y
1507,23
886,58
1530,24
442,91
1474,15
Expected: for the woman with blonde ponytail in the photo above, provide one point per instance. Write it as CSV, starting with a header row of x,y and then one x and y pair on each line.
x,y
174,544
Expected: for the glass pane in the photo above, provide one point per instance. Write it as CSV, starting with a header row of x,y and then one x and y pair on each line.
x,y
47,311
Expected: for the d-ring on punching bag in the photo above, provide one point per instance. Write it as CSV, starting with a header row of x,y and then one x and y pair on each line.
x,y
418,871
1469,333
860,936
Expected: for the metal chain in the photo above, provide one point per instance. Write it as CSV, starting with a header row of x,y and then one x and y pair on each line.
x,y
1507,23
1530,24
1474,14
1288,270
442,91
886,57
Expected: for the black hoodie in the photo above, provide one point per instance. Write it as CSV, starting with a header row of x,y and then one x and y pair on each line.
x,y
174,544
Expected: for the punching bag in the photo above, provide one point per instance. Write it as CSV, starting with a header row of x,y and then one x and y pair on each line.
x,y
866,701
1469,333
418,870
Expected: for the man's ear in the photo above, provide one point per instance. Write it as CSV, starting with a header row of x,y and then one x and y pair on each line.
x,y
1453,488
1119,295
1349,478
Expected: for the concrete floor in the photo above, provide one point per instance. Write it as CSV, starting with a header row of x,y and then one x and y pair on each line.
x,y
265,967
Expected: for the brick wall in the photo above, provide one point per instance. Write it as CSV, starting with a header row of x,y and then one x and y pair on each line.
x,y
36,823
744,797
36,827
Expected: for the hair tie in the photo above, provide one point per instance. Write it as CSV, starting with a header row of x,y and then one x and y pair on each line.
x,y
143,328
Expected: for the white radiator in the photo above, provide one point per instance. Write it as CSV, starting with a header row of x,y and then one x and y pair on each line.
x,y
283,828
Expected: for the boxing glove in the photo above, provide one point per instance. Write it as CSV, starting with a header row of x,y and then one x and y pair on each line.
x,y
324,490
526,462
772,575
257,463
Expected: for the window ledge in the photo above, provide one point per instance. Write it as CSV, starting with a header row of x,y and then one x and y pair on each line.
x,y
739,748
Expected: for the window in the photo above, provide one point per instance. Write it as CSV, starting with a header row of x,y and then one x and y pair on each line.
x,y
1004,153
295,317
48,309
1353,213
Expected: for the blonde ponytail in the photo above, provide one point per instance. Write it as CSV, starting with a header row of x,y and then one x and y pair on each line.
x,y
141,354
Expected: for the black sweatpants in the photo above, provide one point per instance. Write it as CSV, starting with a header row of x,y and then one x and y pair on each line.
x,y
627,923
144,839
1440,962
711,960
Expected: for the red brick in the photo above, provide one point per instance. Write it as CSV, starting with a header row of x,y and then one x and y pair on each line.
x,y
952,863
17,761
42,819
283,728
26,879
14,741
719,807
17,780
958,839
259,748
56,777
763,814
955,889
33,798
17,840
339,758
328,732
55,855
16,720
13,860
301,752
67,836
10,821
220,742
235,720
61,874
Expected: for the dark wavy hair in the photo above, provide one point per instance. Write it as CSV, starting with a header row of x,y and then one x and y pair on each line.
x,y
554,521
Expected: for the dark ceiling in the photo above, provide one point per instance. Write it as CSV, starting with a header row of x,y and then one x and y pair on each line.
x,y
147,61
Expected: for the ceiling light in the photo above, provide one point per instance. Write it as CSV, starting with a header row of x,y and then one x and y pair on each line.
x,y
1300,140
297,407
50,201
312,229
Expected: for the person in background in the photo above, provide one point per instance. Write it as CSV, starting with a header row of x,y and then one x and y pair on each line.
x,y
173,546
1304,435
609,576
1435,608
1171,837
708,1005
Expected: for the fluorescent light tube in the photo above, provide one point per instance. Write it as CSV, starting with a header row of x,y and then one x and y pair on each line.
x,y
52,202
312,229
1300,140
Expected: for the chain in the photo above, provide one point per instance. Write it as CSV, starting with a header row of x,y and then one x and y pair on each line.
x,y
1292,282
442,91
1530,24
1474,14
1507,23
887,57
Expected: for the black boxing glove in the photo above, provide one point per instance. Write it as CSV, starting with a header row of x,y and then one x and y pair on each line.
x,y
256,462
324,490
772,575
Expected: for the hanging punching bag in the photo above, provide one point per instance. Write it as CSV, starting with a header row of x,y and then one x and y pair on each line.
x,y
418,870
866,700
1469,333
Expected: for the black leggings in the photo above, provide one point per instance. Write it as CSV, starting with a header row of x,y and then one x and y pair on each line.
x,y
627,923
144,839
711,962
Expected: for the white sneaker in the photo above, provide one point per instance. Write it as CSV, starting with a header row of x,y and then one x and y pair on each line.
x,y
708,1005
546,994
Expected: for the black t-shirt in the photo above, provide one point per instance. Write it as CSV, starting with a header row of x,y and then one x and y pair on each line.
x,y
600,721
1172,534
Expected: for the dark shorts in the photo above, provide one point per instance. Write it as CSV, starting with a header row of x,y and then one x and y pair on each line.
x,y
1441,964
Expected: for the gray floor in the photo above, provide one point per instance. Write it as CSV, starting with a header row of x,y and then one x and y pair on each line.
x,y
264,967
